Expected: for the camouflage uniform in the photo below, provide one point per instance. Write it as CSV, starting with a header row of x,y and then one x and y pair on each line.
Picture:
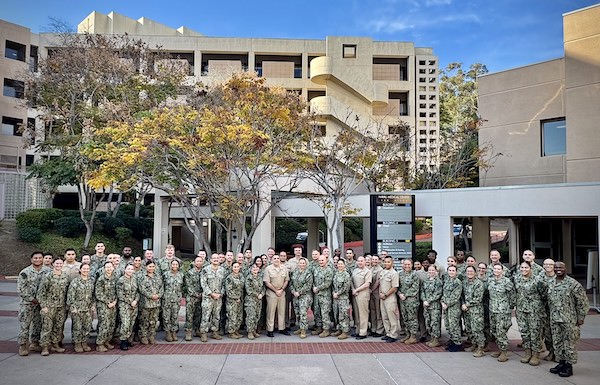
x,y
531,311
486,309
341,286
409,307
432,293
506,272
127,292
322,279
252,304
96,263
473,292
302,282
171,300
501,302
546,329
451,296
80,299
106,292
234,304
30,319
568,305
52,295
193,300
212,281
147,287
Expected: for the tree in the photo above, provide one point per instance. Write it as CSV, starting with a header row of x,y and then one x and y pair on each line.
x,y
461,155
84,82
233,149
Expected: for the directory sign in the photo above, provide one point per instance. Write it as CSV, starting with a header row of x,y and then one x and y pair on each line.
x,y
392,226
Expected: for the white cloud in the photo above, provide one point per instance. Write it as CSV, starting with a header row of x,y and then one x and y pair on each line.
x,y
408,22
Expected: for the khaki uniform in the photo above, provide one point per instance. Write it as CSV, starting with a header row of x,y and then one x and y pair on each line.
x,y
278,277
361,300
389,306
374,304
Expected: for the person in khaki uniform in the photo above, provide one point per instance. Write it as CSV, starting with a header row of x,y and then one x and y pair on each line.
x,y
377,329
361,293
388,286
276,279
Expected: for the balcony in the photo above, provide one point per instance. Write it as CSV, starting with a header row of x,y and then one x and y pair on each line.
x,y
321,69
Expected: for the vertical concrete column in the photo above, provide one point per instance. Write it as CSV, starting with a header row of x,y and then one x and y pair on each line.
x,y
161,224
481,238
567,246
367,236
312,242
443,239
304,70
263,237
514,241
251,65
197,63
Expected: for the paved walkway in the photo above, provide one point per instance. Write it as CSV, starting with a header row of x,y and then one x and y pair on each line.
x,y
279,360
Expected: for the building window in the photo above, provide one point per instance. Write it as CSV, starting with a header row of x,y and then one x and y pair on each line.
x,y
33,58
14,51
554,137
11,126
349,51
14,88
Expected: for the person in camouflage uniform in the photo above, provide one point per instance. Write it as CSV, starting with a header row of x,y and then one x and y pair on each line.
x,y
52,295
80,299
451,297
548,276
213,287
495,258
531,294
106,306
472,307
408,292
301,287
129,298
340,287
97,260
431,295
193,296
502,298
30,319
234,304
569,305
255,291
164,263
483,277
322,279
171,300
151,291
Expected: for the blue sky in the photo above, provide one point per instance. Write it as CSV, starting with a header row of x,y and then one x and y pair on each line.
x,y
501,34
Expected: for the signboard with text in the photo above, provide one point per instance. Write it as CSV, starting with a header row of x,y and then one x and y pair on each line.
x,y
392,226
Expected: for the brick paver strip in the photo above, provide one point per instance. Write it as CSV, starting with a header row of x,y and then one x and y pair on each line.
x,y
192,348
9,313
9,293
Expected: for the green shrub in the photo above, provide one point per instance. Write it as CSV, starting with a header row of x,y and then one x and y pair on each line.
x,y
29,234
422,248
38,218
110,224
69,227
122,234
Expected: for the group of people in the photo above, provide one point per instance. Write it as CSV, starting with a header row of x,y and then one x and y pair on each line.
x,y
225,294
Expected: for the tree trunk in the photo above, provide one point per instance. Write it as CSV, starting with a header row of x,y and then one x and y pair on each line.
x,y
219,235
118,205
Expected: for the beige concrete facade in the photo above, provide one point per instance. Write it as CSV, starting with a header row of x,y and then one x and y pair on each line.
x,y
516,103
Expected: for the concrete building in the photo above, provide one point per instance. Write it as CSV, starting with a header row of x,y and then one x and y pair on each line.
x,y
345,79
543,119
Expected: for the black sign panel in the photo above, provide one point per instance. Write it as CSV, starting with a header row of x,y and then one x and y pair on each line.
x,y
392,226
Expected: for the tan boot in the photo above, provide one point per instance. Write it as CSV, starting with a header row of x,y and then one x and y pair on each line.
x,y
144,340
101,348
502,357
471,348
317,331
405,338
86,347
496,354
297,332
336,333
78,348
237,333
23,350
188,335
324,333
550,357
303,333
411,340
233,336
250,335
56,348
216,336
342,336
535,359
174,336
151,340
434,343
526,357
45,351
478,353
109,345
35,347
203,337
168,337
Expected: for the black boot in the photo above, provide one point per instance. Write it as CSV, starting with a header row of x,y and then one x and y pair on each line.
x,y
567,370
558,368
124,345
